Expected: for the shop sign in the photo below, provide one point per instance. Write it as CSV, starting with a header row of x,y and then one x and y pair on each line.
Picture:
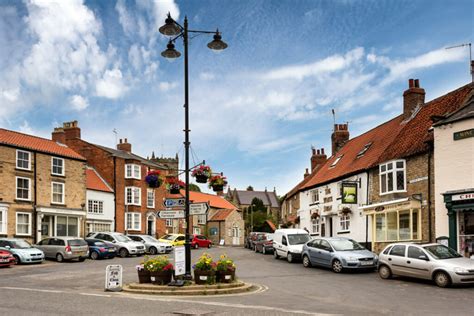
x,y
464,134
349,193
113,278
462,197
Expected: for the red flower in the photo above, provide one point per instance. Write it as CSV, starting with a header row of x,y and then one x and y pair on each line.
x,y
169,266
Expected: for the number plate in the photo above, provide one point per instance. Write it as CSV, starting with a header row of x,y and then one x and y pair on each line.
x,y
366,263
4,260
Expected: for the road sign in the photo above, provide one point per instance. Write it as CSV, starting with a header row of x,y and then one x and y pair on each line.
x,y
113,278
174,202
179,261
198,208
171,214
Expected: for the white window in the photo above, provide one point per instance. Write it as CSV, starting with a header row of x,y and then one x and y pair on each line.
x,y
23,224
57,193
98,227
57,166
3,220
196,230
345,221
392,177
95,207
23,188
132,171
133,196
201,219
315,223
23,160
133,221
150,198
314,196
336,161
169,222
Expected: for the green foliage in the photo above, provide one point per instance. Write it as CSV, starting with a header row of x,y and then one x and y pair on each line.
x,y
194,187
159,263
250,188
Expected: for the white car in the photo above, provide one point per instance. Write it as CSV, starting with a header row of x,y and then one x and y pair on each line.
x,y
126,246
288,243
152,245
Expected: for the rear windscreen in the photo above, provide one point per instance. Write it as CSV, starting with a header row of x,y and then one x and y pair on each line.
x,y
76,242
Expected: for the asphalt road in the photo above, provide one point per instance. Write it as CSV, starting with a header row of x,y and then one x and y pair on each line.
x,y
288,289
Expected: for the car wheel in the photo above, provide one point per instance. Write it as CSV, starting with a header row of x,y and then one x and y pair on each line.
x,y
94,255
275,254
384,272
263,251
336,266
196,246
59,257
442,279
290,258
209,245
306,262
153,251
123,252
17,259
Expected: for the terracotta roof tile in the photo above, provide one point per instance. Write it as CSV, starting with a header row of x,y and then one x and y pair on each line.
x,y
271,225
95,182
221,215
214,201
35,143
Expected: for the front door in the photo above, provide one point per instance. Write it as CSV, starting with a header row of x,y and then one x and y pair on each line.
x,y
47,226
150,227
235,236
330,226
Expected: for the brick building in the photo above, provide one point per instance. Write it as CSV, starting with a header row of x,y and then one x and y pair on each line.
x,y
42,188
243,199
135,203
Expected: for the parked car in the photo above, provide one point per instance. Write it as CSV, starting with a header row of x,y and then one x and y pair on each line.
x,y
288,243
126,246
338,253
152,245
264,243
174,239
434,262
64,248
6,258
21,250
99,249
248,243
200,241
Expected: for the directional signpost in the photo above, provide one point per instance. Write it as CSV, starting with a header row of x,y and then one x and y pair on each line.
x,y
198,208
174,203
171,214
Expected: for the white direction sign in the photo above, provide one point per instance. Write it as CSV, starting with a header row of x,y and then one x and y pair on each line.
x,y
179,261
171,214
174,202
198,208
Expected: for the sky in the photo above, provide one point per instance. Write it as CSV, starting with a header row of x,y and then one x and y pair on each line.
x,y
256,108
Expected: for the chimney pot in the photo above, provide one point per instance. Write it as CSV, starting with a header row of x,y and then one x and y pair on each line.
x,y
411,83
314,151
417,83
413,97
322,151
318,152
339,137
125,141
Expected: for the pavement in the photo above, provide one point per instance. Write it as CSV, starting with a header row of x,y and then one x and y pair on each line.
x,y
287,289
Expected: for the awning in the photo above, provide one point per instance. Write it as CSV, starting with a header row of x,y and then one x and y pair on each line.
x,y
468,207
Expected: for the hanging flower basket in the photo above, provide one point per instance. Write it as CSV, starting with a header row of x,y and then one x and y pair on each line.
x,y
346,211
174,185
217,183
315,216
154,179
202,173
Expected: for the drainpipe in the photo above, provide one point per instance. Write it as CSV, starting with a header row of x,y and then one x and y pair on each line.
x,y
367,216
430,238
35,212
115,195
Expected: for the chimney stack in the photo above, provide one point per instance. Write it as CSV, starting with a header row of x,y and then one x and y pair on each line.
x,y
413,97
339,137
71,130
306,173
124,145
317,159
58,135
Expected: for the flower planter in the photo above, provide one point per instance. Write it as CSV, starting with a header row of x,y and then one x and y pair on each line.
x,y
225,276
161,277
200,178
144,276
174,190
204,277
217,188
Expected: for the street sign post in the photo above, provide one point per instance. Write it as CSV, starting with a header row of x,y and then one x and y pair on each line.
x,y
174,203
198,208
113,278
171,214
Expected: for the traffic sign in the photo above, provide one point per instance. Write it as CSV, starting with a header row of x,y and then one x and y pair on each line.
x,y
174,202
198,208
171,214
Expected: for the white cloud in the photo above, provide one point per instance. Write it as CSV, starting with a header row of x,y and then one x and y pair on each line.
x,y
111,85
78,102
207,76
26,128
167,86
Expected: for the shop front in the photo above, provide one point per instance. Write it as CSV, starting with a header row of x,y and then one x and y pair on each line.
x,y
54,222
460,206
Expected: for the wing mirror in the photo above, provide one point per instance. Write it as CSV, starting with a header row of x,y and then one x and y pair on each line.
x,y
8,247
423,257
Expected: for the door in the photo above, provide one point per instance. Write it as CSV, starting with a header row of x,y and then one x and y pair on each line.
x,y
150,225
324,253
313,249
235,236
284,246
416,267
330,226
323,229
397,259
47,226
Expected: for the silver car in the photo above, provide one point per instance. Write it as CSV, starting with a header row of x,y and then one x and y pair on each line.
x,y
434,262
22,250
64,248
153,246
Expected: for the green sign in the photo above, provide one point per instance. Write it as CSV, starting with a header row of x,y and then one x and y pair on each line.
x,y
464,134
349,193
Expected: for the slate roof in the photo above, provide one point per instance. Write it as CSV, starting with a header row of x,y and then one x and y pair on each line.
x,y
221,215
268,198
38,144
125,155
95,182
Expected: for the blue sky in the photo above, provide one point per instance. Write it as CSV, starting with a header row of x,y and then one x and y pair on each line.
x,y
257,107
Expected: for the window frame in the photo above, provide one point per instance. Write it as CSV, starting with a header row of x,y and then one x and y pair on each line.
x,y
135,171
29,160
4,222
134,216
384,229
63,194
148,205
334,163
393,172
97,207
63,166
133,195
315,223
169,222
200,220
29,224
16,189
344,222
314,194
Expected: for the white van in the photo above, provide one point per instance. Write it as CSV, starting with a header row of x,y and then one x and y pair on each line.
x,y
288,243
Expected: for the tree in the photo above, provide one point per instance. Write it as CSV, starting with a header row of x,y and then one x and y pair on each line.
x,y
250,188
194,187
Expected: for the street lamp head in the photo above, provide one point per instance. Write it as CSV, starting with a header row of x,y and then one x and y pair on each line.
x,y
170,52
170,28
217,43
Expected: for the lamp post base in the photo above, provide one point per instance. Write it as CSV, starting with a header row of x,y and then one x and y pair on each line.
x,y
188,277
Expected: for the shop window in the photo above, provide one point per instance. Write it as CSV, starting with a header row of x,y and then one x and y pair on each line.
x,y
380,227
23,160
98,227
392,226
414,224
392,177
61,226
404,225
397,225
57,166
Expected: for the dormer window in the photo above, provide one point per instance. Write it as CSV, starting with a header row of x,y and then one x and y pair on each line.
x,y
336,161
363,150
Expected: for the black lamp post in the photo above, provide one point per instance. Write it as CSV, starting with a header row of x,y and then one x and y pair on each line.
x,y
174,29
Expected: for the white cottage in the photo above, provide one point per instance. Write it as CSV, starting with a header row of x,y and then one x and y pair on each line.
x,y
100,203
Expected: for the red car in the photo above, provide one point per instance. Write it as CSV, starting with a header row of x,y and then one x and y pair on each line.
x,y
200,241
6,258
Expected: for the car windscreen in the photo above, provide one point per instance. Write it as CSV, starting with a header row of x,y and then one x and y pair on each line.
x,y
168,237
100,244
20,244
76,242
298,239
269,236
346,245
149,239
441,252
122,238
